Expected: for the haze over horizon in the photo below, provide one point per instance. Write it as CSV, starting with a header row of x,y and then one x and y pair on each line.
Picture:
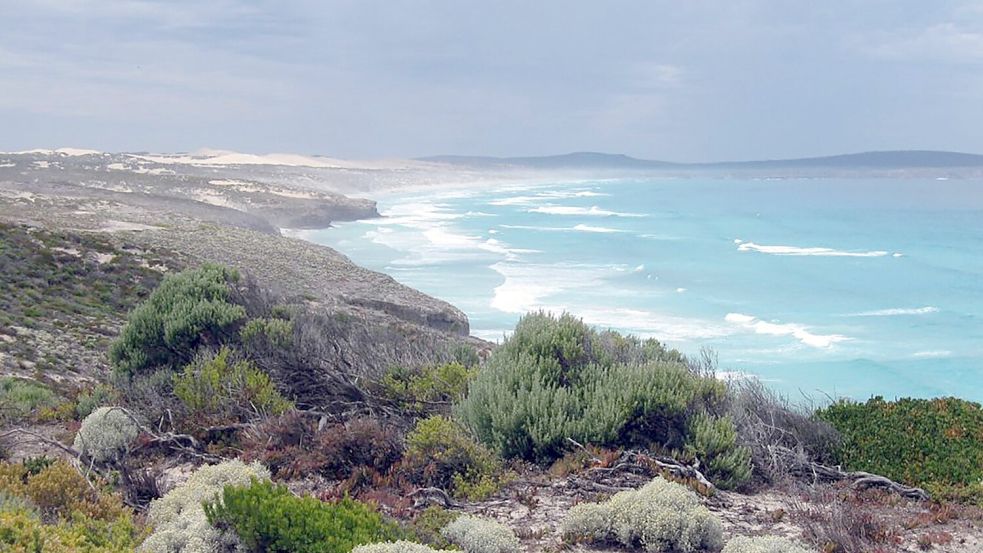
x,y
395,79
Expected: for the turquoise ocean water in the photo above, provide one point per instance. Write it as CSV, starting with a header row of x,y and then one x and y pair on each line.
x,y
820,286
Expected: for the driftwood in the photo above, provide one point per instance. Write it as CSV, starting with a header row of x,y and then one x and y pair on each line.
x,y
858,479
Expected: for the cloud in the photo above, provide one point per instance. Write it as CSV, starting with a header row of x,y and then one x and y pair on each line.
x,y
943,42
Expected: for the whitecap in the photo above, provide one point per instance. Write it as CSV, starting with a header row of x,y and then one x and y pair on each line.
x,y
800,251
528,285
896,311
515,200
593,211
575,228
563,194
797,331
933,354
589,228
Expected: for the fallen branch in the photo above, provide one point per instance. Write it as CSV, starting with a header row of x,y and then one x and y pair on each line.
x,y
639,463
858,479
43,439
433,495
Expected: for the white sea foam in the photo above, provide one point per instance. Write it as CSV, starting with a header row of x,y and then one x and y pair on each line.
x,y
526,199
648,324
528,285
531,287
562,194
515,200
799,251
797,331
933,354
575,228
593,211
896,311
590,228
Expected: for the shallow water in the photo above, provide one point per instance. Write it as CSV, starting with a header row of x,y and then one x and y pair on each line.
x,y
836,287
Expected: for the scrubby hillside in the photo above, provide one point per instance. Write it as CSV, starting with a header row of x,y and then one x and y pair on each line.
x,y
174,385
231,420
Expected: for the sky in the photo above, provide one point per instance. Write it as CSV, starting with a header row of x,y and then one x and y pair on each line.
x,y
674,80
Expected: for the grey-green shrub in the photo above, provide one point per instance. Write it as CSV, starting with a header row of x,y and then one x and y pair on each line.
x,y
763,544
19,398
556,379
397,547
88,400
179,520
106,434
715,439
660,517
479,535
188,309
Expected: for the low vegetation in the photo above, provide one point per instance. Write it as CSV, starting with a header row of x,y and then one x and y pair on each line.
x,y
267,518
178,520
933,443
62,296
21,398
660,517
187,310
557,381
106,435
478,535
440,453
763,544
48,505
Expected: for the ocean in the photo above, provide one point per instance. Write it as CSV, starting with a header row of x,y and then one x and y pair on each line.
x,y
822,288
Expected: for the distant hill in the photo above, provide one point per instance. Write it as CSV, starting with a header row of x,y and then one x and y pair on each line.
x,y
573,160
896,159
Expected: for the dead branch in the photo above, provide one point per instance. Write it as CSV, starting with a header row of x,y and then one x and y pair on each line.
x,y
858,479
426,496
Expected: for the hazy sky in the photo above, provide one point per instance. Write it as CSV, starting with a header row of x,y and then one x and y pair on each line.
x,y
678,80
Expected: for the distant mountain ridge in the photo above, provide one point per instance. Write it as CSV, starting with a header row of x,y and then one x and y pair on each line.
x,y
892,159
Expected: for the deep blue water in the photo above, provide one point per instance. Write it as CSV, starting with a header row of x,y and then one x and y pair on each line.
x,y
838,287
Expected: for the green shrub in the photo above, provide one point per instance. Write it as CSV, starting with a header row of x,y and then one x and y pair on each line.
x,y
557,379
269,519
91,398
178,519
715,439
22,531
934,443
106,434
267,333
428,524
763,544
478,535
660,517
188,309
428,389
440,453
20,398
218,388
34,465
57,490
